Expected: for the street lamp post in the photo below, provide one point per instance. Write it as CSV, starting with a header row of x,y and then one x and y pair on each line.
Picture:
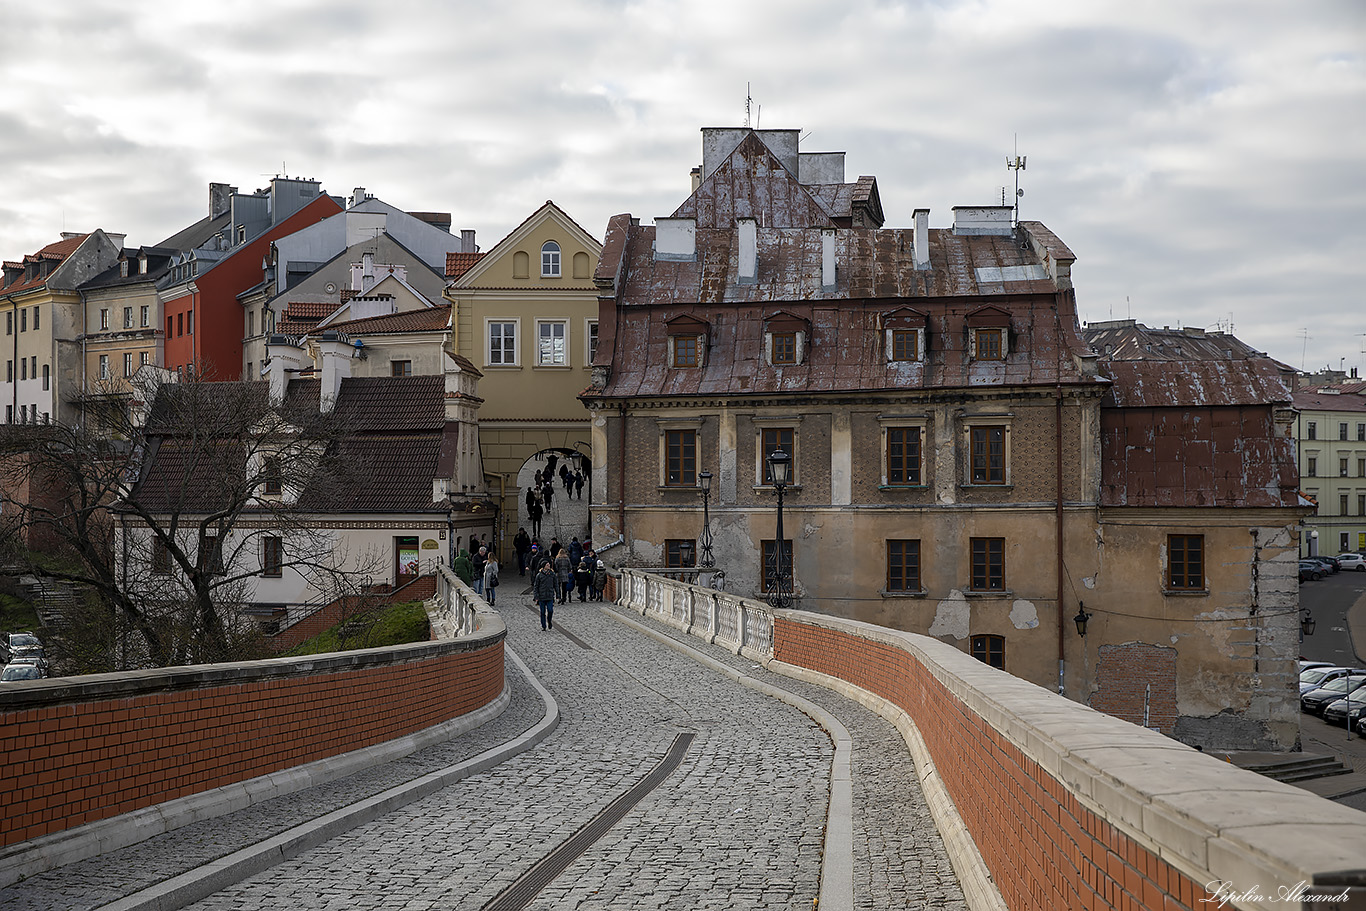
x,y
779,469
707,560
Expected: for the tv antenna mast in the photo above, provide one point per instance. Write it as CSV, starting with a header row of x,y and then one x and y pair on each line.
x,y
758,109
1017,164
1304,334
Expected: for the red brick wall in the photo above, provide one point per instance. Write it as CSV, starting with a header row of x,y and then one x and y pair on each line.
x,y
1128,674
1045,851
423,588
71,761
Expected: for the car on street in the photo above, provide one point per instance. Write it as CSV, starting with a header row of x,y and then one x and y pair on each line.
x,y
1315,701
23,644
1310,665
1315,677
1311,570
1330,564
1354,562
21,672
1346,712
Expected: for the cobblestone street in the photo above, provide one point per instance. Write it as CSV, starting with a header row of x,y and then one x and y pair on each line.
x,y
739,824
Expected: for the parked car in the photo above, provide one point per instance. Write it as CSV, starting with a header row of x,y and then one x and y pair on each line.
x,y
1355,562
1310,665
38,661
1330,564
1311,569
1346,712
1315,677
21,672
23,644
1315,701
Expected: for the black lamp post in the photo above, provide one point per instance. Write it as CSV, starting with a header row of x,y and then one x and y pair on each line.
x,y
779,469
1307,623
707,561
1081,618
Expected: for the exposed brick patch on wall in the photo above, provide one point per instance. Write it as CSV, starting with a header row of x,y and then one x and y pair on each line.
x,y
1129,673
67,763
1044,849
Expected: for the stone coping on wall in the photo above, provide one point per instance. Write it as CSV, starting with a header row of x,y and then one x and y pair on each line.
x,y
90,687
1211,820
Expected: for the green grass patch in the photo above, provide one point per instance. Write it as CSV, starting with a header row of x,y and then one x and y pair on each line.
x,y
393,624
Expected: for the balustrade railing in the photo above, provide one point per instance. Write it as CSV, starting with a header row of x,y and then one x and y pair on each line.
x,y
742,625
454,612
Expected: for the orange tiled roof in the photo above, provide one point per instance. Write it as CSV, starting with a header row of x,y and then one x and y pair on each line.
x,y
309,310
457,264
425,320
58,252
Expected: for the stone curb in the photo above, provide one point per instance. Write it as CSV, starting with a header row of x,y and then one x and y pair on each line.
x,y
837,864
979,889
182,890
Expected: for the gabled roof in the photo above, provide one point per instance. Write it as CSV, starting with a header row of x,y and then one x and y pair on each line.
x,y
548,212
753,183
55,253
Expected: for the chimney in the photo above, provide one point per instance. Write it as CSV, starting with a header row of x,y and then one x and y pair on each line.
x,y
921,249
220,199
285,358
367,272
336,357
696,178
749,250
675,240
357,196
827,259
467,244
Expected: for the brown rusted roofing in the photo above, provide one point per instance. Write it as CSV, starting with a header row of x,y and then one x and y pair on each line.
x,y
1189,420
457,264
427,319
1183,367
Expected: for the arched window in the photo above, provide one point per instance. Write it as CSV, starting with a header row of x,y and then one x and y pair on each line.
x,y
521,264
581,265
550,260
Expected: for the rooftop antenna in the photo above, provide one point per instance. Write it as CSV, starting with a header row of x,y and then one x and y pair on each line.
x,y
1304,334
749,99
1016,164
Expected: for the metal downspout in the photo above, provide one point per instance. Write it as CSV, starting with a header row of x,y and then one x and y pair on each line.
x,y
621,473
1062,619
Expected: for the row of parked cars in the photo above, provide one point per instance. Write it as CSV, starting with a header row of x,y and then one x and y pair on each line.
x,y
1316,568
24,657
1335,694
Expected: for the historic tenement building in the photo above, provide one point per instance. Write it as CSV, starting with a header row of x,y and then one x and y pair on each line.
x,y
952,440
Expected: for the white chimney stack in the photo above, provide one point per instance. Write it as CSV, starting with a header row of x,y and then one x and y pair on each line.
x,y
922,239
749,249
284,360
336,364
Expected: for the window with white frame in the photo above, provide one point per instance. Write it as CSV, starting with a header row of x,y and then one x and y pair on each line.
x,y
550,259
904,335
128,363
502,346
104,366
104,317
591,334
552,343
146,315
128,317
785,340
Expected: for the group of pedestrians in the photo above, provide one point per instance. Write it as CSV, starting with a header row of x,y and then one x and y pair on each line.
x,y
557,571
540,496
477,566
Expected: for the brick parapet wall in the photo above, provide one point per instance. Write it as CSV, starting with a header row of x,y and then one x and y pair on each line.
x,y
1071,808
78,750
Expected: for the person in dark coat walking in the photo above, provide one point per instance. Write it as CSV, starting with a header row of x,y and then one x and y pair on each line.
x,y
599,580
534,513
583,577
564,571
578,484
543,589
521,543
575,550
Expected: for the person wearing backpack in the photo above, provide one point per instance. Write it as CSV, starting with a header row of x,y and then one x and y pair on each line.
x,y
490,579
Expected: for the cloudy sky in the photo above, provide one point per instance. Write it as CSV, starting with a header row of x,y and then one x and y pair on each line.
x,y
1204,159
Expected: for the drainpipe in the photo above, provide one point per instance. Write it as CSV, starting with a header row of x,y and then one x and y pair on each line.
x,y
621,473
1062,619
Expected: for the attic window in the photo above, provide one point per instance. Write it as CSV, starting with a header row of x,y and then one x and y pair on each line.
x,y
785,340
988,344
903,335
550,259
687,341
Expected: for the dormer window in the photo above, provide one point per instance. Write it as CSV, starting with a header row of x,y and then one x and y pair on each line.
x,y
785,339
988,334
687,341
904,335
550,259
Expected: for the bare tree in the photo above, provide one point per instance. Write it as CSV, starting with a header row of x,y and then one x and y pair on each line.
x,y
170,523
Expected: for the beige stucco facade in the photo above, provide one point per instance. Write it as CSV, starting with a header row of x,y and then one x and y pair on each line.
x,y
526,315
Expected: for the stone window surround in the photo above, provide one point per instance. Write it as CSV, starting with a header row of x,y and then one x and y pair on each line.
x,y
761,424
967,422
664,425
920,421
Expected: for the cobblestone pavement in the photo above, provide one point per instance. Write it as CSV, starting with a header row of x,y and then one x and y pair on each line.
x,y
738,825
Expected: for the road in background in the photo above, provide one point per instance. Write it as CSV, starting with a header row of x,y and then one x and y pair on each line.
x,y
1329,601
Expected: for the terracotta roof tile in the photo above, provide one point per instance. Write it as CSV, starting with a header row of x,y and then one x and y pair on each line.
x,y
457,264
428,319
